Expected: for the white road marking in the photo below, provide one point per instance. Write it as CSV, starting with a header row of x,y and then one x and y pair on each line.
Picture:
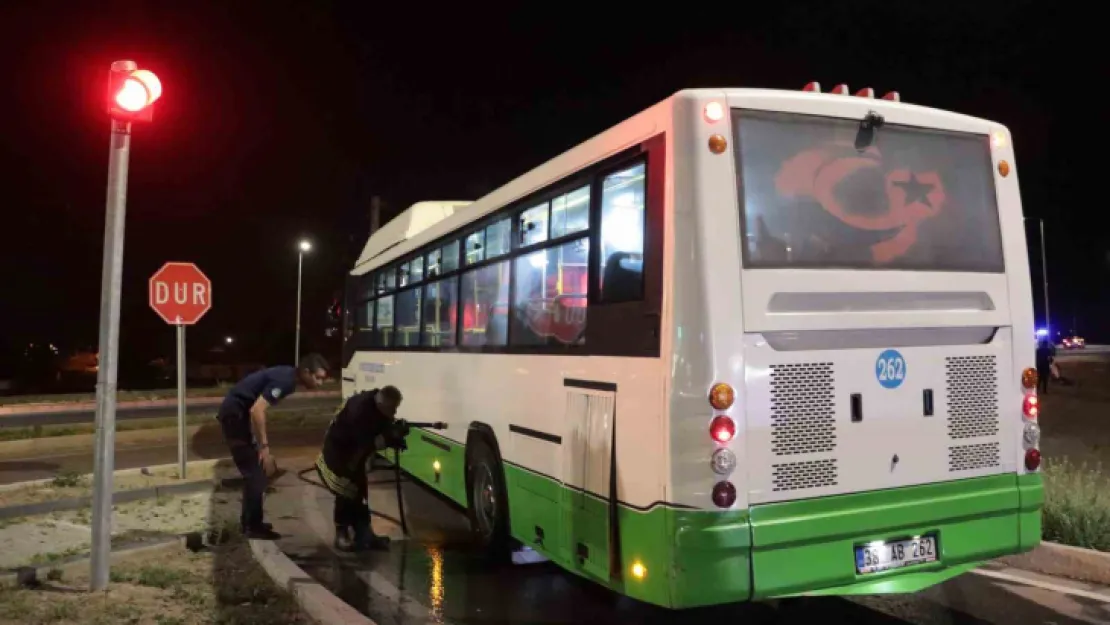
x,y
1057,588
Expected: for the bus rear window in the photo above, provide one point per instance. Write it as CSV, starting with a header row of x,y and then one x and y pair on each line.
x,y
816,192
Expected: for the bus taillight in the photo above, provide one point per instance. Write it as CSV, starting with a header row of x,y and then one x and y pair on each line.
x,y
1032,461
724,494
722,429
1031,406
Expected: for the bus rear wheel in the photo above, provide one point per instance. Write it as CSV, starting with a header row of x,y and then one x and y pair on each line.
x,y
487,500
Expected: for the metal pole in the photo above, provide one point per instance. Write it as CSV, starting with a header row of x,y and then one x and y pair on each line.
x,y
110,287
297,344
1044,272
182,453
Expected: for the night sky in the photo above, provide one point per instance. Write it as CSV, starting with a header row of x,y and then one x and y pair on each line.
x,y
281,120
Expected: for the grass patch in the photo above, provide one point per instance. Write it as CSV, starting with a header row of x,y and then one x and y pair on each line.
x,y
1077,505
68,479
171,587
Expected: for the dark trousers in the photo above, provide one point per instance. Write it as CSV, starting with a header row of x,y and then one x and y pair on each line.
x,y
353,513
244,451
1042,380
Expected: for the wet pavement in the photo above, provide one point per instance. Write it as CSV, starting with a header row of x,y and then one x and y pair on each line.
x,y
436,576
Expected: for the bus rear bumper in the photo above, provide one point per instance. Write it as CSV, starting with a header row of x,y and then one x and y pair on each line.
x,y
808,547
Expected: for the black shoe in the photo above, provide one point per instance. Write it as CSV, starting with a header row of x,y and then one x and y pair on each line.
x,y
262,533
344,543
372,543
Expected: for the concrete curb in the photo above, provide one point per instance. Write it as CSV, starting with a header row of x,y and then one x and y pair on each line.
x,y
124,496
1049,558
46,407
317,602
28,574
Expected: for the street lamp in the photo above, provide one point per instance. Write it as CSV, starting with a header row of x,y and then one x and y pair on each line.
x,y
305,246
229,340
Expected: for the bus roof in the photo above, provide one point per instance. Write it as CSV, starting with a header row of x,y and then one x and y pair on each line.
x,y
414,220
426,221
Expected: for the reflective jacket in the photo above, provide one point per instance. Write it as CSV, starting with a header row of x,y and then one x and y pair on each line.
x,y
349,442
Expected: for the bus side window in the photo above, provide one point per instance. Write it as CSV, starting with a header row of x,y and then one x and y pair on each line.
x,y
622,236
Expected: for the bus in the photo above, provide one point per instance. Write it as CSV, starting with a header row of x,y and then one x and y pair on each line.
x,y
747,344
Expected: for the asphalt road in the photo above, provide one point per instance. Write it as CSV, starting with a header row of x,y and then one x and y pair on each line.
x,y
127,413
206,444
437,577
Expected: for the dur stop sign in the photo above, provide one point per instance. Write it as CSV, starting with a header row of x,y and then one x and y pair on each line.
x,y
180,293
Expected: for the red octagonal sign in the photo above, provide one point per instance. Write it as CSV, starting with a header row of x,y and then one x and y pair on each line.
x,y
180,293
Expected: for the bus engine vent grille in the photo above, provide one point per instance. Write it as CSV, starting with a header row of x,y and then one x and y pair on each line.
x,y
803,412
802,475
972,396
972,457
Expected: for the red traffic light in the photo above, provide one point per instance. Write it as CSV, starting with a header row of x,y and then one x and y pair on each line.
x,y
132,93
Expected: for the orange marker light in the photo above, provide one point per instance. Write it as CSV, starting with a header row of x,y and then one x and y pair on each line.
x,y
1029,378
639,571
721,396
1003,168
717,144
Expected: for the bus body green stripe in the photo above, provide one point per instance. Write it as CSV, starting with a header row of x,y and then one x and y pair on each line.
x,y
705,557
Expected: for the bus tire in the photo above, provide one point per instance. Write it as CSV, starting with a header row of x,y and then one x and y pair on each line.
x,y
487,499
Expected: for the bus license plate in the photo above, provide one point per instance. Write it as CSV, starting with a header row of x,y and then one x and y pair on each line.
x,y
881,556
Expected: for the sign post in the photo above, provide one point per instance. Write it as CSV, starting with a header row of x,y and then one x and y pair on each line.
x,y
181,294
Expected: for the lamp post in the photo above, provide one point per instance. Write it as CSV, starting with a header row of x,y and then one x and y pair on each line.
x,y
304,246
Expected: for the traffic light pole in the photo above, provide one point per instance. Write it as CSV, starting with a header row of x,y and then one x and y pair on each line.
x,y
111,278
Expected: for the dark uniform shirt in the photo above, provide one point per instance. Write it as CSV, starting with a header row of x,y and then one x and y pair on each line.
x,y
275,384
348,444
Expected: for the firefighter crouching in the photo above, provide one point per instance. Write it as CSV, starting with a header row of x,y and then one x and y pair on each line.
x,y
341,465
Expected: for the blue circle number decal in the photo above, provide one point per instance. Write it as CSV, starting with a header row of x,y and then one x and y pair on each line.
x,y
890,369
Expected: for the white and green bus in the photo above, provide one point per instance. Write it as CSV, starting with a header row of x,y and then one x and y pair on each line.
x,y
746,344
